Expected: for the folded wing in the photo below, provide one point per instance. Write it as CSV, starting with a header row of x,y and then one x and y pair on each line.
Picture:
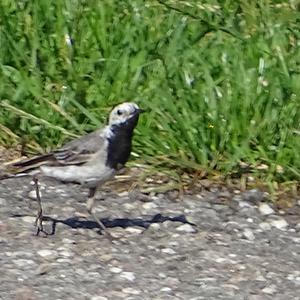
x,y
75,152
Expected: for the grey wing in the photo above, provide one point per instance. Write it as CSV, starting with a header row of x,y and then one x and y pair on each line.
x,y
80,150
81,160
75,152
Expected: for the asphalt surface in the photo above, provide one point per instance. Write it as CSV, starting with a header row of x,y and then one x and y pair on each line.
x,y
214,244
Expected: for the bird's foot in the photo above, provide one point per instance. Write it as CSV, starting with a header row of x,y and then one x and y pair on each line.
x,y
39,225
103,228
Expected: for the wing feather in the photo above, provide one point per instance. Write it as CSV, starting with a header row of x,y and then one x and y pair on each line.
x,y
75,152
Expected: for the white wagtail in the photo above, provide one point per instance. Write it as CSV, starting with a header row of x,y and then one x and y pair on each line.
x,y
89,160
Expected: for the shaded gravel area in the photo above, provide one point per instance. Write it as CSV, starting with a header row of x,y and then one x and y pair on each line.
x,y
241,248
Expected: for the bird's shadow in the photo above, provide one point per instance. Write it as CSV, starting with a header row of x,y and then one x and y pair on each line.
x,y
76,222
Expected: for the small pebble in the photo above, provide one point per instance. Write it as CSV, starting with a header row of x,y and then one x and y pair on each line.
x,y
134,230
43,269
99,298
221,260
66,253
270,290
32,194
154,227
136,195
265,209
23,262
80,272
115,270
186,228
129,290
296,240
159,261
28,219
162,275
116,232
172,281
265,226
244,204
64,260
93,275
129,206
123,194
68,241
280,224
3,202
128,276
248,234
105,257
168,251
46,253
149,205
254,196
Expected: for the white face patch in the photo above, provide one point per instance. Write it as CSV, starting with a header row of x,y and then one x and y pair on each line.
x,y
121,113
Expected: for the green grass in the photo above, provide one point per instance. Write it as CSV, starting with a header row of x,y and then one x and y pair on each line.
x,y
221,78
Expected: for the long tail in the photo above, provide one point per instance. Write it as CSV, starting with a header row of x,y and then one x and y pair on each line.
x,y
24,166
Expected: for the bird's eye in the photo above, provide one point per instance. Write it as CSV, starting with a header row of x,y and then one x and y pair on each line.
x,y
119,112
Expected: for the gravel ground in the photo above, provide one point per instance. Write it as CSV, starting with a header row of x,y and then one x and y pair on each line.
x,y
240,248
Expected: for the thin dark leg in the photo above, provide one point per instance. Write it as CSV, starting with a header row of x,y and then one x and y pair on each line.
x,y
92,192
90,205
39,218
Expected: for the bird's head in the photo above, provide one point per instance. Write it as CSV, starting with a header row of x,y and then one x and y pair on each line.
x,y
125,113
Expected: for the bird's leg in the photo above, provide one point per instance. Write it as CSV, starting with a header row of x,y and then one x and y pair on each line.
x,y
39,218
90,205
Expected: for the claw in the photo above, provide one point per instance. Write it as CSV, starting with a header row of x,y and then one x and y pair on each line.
x,y
39,224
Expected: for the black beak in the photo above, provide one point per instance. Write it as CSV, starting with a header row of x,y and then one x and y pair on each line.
x,y
140,111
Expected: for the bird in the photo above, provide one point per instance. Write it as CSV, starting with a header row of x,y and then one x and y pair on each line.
x,y
89,160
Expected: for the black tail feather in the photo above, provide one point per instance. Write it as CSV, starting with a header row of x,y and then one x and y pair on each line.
x,y
24,166
32,161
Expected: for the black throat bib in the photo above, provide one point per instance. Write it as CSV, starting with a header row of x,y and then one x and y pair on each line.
x,y
119,145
